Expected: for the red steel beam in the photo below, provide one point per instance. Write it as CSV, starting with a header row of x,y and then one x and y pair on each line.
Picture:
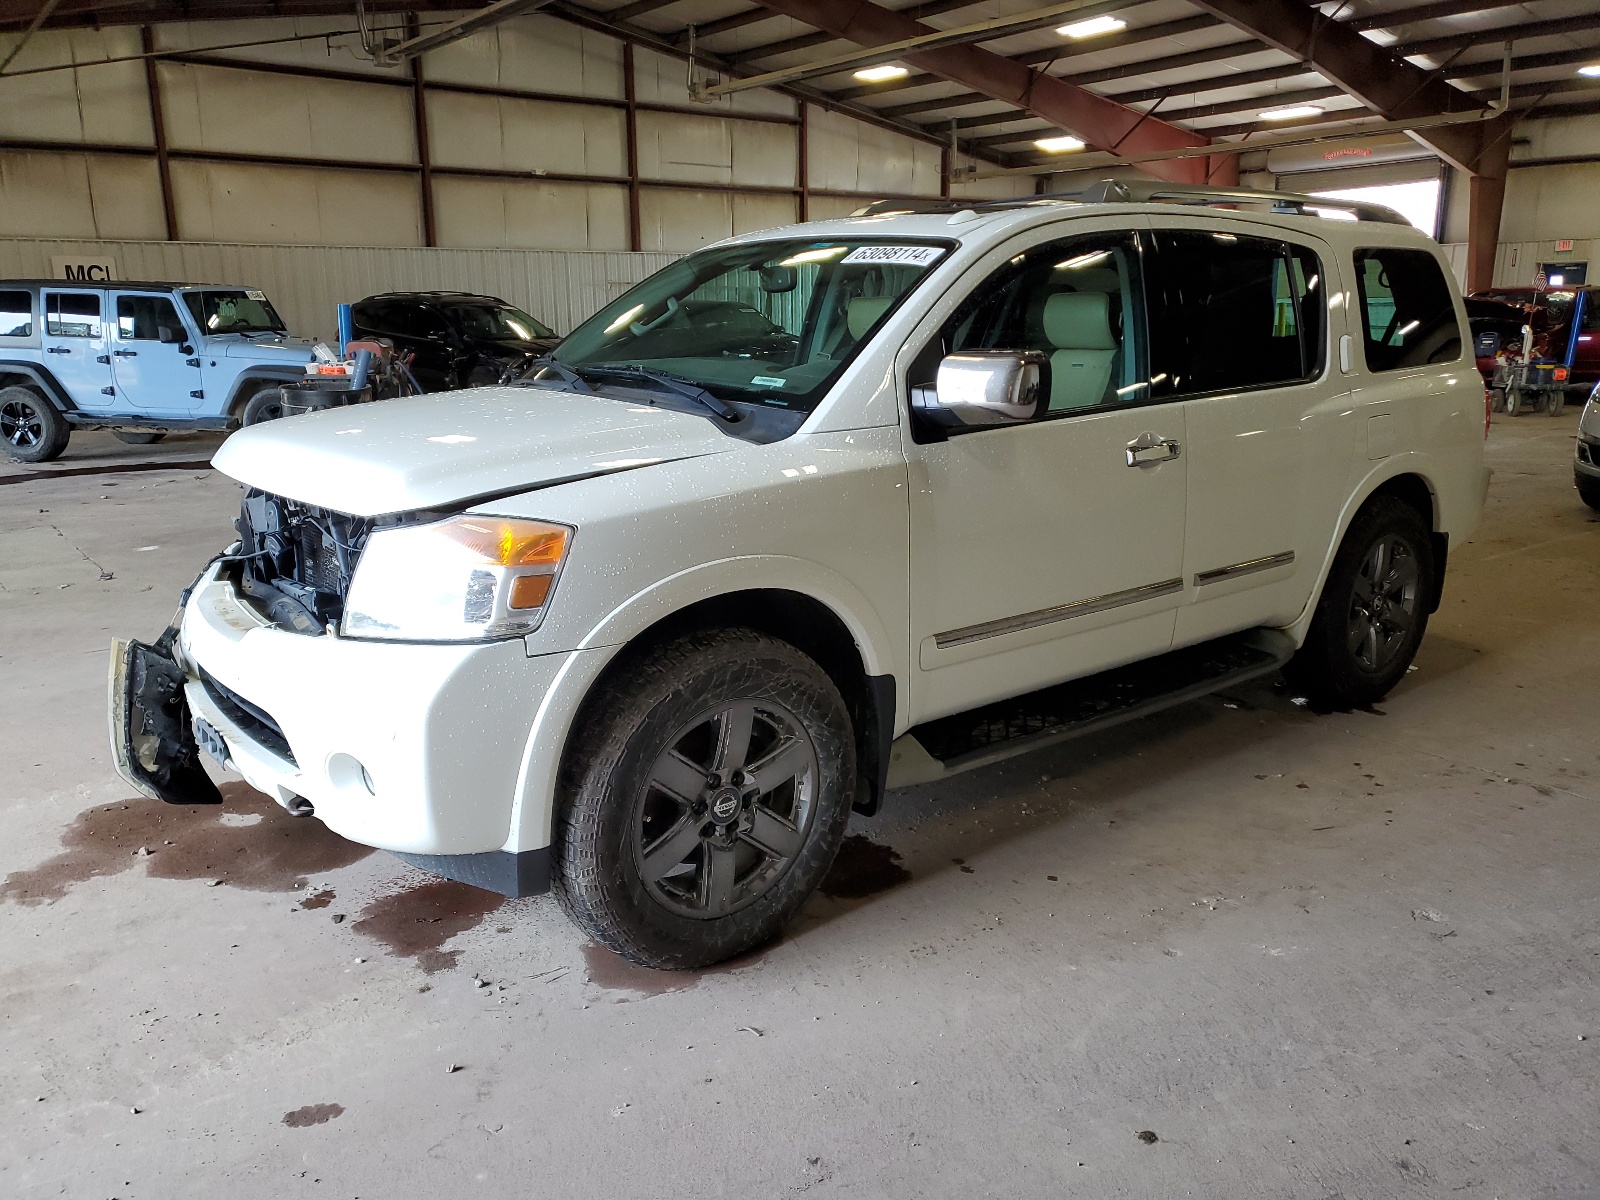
x,y
1103,124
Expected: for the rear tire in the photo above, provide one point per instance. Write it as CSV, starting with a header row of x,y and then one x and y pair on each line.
x,y
265,405
705,799
137,437
1372,612
31,429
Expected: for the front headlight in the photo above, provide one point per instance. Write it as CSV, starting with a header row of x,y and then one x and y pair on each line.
x,y
469,578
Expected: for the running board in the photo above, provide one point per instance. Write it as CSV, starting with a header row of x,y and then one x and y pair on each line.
x,y
997,731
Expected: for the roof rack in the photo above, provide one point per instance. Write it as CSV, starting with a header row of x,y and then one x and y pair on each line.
x,y
1144,191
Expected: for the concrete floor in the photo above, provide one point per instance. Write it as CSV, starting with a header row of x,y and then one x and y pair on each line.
x,y
1313,956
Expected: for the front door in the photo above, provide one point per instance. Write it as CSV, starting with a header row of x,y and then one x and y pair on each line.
x,y
152,356
1049,550
1239,336
75,350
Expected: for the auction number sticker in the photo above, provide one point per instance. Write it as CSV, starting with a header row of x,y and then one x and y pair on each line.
x,y
252,294
900,256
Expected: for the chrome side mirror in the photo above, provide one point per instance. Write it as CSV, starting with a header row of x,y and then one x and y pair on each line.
x,y
987,387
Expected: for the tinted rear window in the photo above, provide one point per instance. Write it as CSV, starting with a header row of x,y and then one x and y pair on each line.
x,y
1229,312
1407,312
16,314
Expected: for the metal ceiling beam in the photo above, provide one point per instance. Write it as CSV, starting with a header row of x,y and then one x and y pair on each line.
x,y
929,39
387,54
15,14
1499,34
1100,122
1400,17
1064,52
1377,76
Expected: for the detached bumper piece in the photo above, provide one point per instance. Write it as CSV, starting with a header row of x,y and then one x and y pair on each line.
x,y
152,734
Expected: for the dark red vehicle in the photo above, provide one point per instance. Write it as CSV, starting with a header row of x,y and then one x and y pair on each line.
x,y
1572,327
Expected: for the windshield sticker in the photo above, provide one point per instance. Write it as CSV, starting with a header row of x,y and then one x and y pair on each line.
x,y
907,256
768,381
252,294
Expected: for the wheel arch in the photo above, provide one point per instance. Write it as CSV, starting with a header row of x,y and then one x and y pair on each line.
x,y
1407,481
815,628
15,373
251,380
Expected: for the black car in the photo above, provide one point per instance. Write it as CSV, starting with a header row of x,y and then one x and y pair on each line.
x,y
458,339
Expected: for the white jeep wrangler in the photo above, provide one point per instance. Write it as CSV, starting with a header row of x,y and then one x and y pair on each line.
x,y
818,512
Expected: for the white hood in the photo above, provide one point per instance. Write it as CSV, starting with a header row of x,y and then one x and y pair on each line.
x,y
428,451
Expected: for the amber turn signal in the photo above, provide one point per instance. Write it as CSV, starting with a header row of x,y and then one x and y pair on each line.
x,y
530,591
510,543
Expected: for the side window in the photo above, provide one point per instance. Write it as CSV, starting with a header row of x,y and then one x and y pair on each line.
x,y
1591,312
16,314
1406,310
142,318
1077,302
72,314
1230,312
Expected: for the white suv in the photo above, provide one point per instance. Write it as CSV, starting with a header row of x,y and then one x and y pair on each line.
x,y
818,512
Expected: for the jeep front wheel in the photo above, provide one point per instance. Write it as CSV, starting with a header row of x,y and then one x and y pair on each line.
x,y
32,429
265,405
705,799
1373,610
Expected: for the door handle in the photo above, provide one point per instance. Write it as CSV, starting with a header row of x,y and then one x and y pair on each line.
x,y
57,350
1148,449
126,353
191,362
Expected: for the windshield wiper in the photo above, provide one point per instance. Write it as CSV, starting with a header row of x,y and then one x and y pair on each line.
x,y
665,381
573,381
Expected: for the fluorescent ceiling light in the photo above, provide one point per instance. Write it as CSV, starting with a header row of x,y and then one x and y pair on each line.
x,y
1592,70
1290,114
1055,145
1093,27
881,74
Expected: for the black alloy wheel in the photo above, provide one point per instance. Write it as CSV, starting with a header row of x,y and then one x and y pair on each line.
x,y
703,797
1383,604
727,806
30,427
1373,611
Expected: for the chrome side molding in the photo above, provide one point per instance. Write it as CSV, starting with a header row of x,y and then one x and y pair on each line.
x,y
1248,567
1060,612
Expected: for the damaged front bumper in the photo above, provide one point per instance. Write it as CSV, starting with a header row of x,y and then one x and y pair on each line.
x,y
153,741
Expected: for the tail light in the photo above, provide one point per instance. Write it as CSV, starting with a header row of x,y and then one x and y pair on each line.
x,y
1561,374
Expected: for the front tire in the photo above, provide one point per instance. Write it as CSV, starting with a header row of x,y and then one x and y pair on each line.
x,y
705,801
265,405
1373,610
30,427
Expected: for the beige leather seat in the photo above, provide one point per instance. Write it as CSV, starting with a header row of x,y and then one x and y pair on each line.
x,y
863,313
1078,325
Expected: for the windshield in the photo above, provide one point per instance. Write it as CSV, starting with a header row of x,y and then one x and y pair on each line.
x,y
769,323
498,322
234,310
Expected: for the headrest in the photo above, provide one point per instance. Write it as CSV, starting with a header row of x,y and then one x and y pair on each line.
x,y
864,311
1079,321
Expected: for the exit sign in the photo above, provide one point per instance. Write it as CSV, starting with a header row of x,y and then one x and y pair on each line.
x,y
1563,246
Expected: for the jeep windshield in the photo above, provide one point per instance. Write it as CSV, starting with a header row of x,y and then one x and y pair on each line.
x,y
234,310
765,323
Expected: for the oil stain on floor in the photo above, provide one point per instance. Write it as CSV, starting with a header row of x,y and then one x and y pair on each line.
x,y
312,1114
863,868
417,922
248,841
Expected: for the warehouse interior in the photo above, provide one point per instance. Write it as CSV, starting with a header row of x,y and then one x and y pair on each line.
x,y
1241,947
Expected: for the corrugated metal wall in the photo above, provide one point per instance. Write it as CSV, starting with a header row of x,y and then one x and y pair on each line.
x,y
561,288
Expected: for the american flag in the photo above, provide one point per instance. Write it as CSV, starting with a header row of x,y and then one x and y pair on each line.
x,y
1541,281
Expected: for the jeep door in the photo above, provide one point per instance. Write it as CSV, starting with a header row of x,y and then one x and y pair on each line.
x,y
74,346
153,355
1239,335
1052,549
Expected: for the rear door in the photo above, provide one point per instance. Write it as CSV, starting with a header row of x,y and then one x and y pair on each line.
x,y
75,349
156,376
1239,335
